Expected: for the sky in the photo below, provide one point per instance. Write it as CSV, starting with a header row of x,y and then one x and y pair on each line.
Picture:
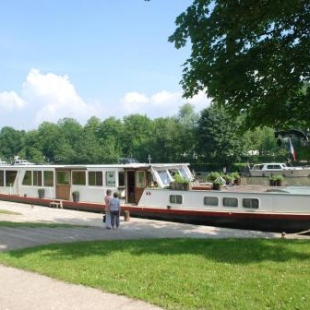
x,y
81,58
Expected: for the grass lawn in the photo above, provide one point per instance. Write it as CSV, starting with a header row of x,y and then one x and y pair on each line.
x,y
186,274
9,212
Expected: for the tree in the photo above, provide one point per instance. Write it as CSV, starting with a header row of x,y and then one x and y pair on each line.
x,y
166,141
32,148
71,133
262,140
49,140
251,56
11,142
187,116
109,138
89,148
187,120
138,130
218,137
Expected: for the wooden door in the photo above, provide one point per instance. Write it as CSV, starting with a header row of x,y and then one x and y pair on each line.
x,y
63,184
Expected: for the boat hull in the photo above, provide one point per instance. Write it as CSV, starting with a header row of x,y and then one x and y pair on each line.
x,y
262,221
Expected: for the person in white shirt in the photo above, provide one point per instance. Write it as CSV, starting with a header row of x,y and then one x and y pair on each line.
x,y
107,199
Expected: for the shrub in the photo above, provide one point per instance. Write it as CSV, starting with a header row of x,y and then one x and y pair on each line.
x,y
212,176
179,179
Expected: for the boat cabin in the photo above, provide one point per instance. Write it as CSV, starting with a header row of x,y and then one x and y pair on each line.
x,y
91,181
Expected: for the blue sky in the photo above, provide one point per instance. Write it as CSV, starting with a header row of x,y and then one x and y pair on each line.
x,y
65,58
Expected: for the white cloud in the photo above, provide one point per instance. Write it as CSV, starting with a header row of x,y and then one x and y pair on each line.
x,y
133,101
161,104
51,97
54,97
11,100
165,97
200,101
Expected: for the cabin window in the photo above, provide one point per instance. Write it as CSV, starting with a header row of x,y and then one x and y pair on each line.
x,y
211,201
32,178
140,179
121,178
178,199
250,203
110,178
63,177
27,178
173,172
183,173
274,167
37,178
10,177
78,178
95,178
230,202
1,178
48,178
163,174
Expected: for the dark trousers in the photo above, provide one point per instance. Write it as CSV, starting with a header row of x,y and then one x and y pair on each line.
x,y
115,219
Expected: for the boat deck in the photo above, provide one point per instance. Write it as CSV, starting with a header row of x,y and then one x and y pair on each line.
x,y
264,188
249,188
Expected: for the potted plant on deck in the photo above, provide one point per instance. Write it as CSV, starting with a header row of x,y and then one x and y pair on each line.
x,y
180,183
278,180
212,176
216,179
236,177
41,193
229,179
219,183
272,181
76,196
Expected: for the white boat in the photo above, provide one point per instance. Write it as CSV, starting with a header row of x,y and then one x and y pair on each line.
x,y
22,162
145,191
269,169
3,162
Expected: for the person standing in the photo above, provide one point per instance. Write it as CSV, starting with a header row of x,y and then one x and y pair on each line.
x,y
115,209
107,200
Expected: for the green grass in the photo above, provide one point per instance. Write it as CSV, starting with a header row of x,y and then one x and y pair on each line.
x,y
183,273
9,212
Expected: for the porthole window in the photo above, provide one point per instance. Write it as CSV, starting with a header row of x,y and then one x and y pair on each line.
x,y
230,202
177,199
211,201
250,203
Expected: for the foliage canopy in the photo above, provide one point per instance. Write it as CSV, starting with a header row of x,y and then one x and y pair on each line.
x,y
251,56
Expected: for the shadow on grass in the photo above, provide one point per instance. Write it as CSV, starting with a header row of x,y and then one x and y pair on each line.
x,y
232,251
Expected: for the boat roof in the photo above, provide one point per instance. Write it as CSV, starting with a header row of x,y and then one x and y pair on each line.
x,y
302,190
273,163
128,165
